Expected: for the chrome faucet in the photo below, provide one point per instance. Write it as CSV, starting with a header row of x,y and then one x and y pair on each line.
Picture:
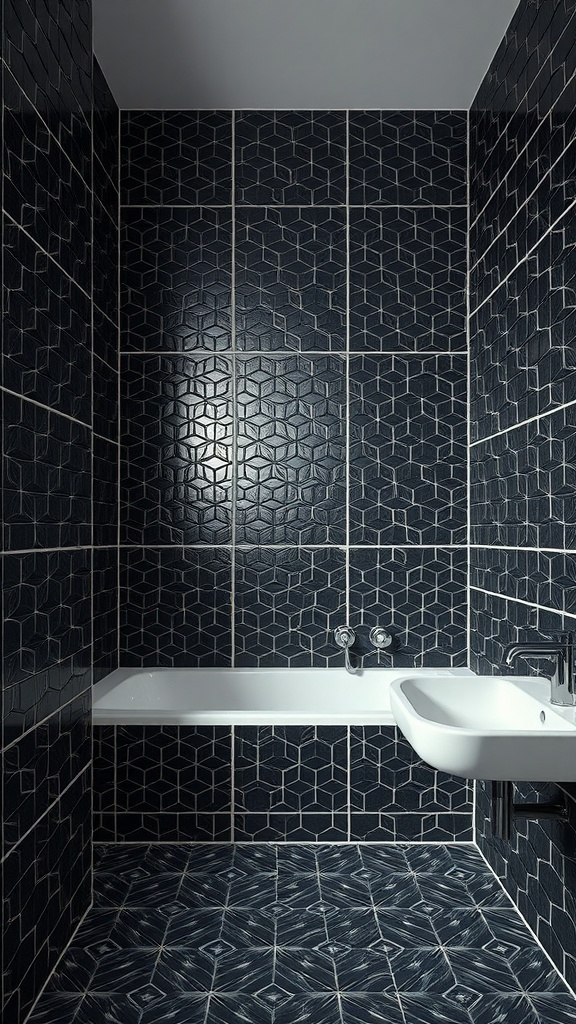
x,y
561,652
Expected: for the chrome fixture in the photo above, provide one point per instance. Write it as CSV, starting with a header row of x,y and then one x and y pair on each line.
x,y
561,652
380,638
345,637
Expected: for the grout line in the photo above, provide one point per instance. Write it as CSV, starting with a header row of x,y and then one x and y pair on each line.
x,y
46,253
524,423
233,397
233,780
47,718
294,206
468,409
283,353
119,402
527,604
47,810
347,383
88,910
47,408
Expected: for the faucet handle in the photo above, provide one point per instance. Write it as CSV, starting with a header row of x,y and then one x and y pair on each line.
x,y
380,638
344,636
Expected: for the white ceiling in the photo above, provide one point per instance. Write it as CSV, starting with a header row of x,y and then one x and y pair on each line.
x,y
274,54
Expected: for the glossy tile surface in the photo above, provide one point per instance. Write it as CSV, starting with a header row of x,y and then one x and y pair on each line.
x,y
310,933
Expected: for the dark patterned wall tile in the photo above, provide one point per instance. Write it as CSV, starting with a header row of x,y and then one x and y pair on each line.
x,y
547,578
419,595
408,279
521,485
47,635
105,610
48,48
176,279
408,449
173,769
281,769
293,828
178,156
105,463
104,399
43,193
291,279
405,156
46,329
106,259
287,604
172,828
106,128
38,768
104,770
105,338
387,775
523,361
175,607
291,450
177,431
46,882
290,156
46,477
381,827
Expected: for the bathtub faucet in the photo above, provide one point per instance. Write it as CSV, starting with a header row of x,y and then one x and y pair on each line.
x,y
345,637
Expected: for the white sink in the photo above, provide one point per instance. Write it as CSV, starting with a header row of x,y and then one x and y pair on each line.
x,y
487,727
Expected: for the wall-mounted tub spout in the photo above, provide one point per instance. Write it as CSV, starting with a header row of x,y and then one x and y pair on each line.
x,y
345,638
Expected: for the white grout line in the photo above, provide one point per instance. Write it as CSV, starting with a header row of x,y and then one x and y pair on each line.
x,y
118,399
47,408
284,352
468,408
527,604
233,399
89,908
13,849
524,423
347,385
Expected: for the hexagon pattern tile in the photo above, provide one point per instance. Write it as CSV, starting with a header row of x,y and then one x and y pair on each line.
x,y
407,450
291,450
176,279
289,157
172,157
287,604
175,607
405,157
176,459
291,279
408,279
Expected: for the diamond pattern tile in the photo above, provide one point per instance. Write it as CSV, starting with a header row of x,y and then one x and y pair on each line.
x,y
289,157
105,610
176,279
291,279
407,279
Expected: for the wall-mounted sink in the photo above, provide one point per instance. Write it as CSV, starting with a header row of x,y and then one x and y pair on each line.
x,y
488,727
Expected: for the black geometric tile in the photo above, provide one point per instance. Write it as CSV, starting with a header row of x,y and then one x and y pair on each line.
x,y
404,156
175,607
106,128
378,827
47,480
176,279
105,338
48,48
386,773
419,595
105,399
407,279
407,449
46,635
294,828
287,604
290,768
172,828
539,577
291,279
105,610
177,431
291,440
289,157
46,329
43,192
106,259
176,157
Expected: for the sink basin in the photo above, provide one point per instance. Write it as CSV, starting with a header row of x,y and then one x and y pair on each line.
x,y
487,727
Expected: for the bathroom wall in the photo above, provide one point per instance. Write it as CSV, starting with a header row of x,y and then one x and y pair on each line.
x,y
523,408
293,379
58,367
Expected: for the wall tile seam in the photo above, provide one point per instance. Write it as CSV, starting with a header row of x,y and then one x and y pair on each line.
x,y
113,323
102,359
569,209
47,718
106,173
7,552
44,252
521,547
261,547
523,423
198,353
526,604
13,849
70,943
118,399
235,410
46,408
288,110
69,160
511,115
108,440
293,206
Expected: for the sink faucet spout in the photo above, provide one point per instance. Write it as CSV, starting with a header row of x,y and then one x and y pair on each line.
x,y
561,652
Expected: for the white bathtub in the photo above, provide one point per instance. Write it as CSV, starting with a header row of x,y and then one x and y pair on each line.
x,y
248,696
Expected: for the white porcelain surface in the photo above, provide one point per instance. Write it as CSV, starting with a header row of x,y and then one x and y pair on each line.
x,y
263,696
487,727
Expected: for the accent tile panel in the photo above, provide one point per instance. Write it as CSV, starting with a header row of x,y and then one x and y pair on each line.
x,y
176,157
104,610
43,192
291,279
291,450
47,635
176,279
407,450
283,769
408,279
288,602
547,578
177,432
405,157
289,157
418,595
175,607
46,329
47,480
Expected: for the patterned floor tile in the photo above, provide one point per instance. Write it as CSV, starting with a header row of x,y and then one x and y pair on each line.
x,y
56,1009
395,890
390,859
309,1009
345,891
364,970
513,1009
370,1008
356,926
238,1008
406,930
183,970
304,970
301,929
248,929
189,1009
421,970
248,970
463,927
431,1008
110,1009
194,928
482,971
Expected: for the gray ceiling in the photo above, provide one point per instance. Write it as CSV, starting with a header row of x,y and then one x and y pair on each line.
x,y
274,54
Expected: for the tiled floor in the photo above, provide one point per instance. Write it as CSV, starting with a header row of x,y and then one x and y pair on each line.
x,y
297,934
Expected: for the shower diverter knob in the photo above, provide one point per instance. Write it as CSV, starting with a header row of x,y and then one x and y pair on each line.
x,y
380,638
